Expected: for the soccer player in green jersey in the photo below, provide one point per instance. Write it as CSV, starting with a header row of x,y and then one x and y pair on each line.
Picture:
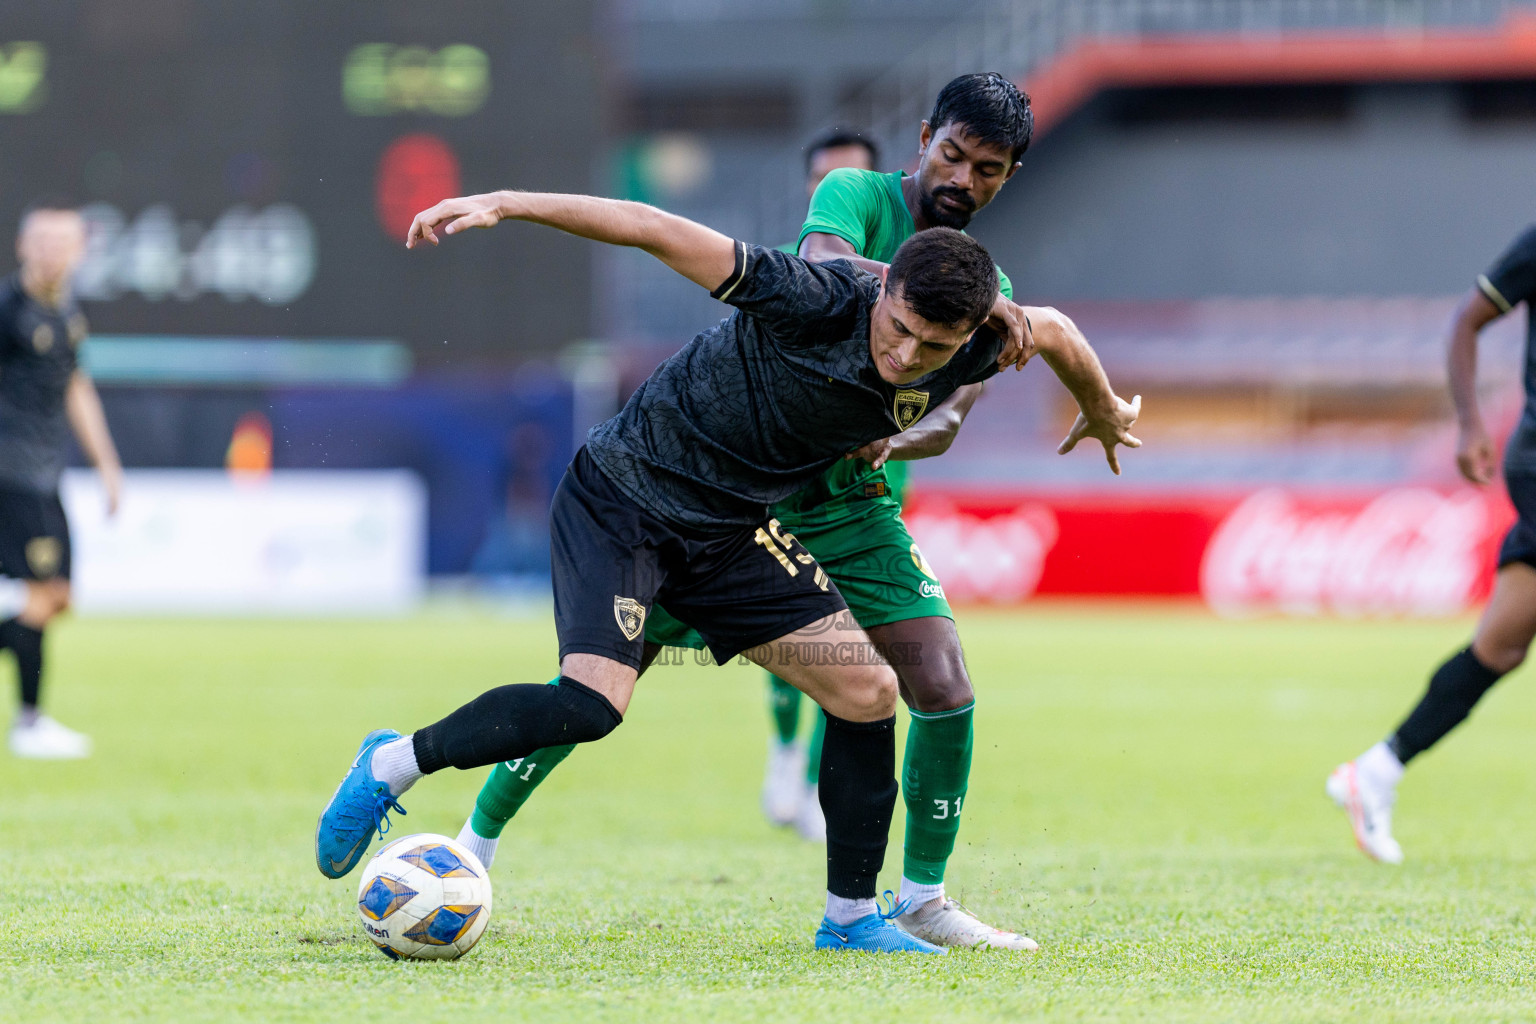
x,y
789,782
851,518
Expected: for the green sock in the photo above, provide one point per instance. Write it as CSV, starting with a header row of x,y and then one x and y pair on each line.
x,y
784,704
813,753
933,783
510,785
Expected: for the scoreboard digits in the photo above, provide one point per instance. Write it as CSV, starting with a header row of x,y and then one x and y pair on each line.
x,y
250,176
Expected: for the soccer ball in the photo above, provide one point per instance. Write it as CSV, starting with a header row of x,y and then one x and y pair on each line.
x,y
424,897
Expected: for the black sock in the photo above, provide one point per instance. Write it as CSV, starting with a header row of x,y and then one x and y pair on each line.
x,y
28,645
510,722
858,796
1455,687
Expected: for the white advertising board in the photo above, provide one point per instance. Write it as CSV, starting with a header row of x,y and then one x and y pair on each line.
x,y
211,543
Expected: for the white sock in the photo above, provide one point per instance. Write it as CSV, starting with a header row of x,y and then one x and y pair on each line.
x,y
919,893
477,844
1380,766
394,763
841,911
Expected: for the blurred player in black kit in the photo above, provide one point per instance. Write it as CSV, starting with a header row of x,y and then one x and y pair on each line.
x,y
43,394
1366,788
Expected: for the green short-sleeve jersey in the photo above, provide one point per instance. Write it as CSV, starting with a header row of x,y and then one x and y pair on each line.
x,y
867,210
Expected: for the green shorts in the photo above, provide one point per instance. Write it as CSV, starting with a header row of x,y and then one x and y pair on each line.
x,y
869,555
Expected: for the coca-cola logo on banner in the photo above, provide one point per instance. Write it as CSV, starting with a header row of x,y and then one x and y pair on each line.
x,y
1408,551
995,558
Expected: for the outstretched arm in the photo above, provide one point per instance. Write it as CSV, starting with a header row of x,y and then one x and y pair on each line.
x,y
1102,415
1474,446
82,406
1026,330
702,255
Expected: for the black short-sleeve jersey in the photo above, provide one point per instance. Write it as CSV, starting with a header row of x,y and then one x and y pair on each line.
x,y
1510,281
756,407
37,358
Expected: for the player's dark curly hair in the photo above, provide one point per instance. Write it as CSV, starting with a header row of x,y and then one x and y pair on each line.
x,y
989,107
945,276
836,138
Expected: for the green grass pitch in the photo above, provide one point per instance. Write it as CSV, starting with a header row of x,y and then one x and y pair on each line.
x,y
1146,801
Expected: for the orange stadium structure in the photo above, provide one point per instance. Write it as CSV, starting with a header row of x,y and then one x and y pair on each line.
x,y
1092,64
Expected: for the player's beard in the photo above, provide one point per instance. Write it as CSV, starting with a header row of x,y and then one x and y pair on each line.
x,y
941,217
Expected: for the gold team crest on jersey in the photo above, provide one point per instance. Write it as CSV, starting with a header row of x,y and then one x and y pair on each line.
x,y
630,615
909,408
42,338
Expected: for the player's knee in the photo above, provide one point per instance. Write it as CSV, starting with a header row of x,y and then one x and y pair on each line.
x,y
589,715
869,695
941,684
44,601
1502,658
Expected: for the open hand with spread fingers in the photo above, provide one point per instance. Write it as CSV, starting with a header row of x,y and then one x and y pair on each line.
x,y
1110,428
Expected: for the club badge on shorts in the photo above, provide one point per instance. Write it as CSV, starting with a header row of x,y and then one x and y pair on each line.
x,y
929,587
922,564
909,407
630,615
43,556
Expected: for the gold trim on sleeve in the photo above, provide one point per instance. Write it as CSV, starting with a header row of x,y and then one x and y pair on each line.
x,y
1493,294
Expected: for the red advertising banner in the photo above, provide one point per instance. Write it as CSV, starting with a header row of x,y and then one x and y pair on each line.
x,y
1399,551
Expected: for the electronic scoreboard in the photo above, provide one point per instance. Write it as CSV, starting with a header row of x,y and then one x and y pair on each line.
x,y
249,169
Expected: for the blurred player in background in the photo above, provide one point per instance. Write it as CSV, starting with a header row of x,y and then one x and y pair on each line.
x,y
850,518
1366,787
43,395
789,783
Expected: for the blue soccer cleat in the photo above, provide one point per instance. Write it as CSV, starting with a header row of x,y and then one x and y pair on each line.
x,y
876,933
360,805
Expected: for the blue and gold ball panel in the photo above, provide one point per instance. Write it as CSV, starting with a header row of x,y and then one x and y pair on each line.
x,y
385,896
438,859
444,926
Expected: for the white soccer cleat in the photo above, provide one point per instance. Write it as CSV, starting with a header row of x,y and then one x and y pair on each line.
x,y
1369,807
478,845
47,740
944,922
784,782
810,822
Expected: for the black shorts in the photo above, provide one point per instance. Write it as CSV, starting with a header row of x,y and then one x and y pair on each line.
x,y
1520,542
613,561
34,536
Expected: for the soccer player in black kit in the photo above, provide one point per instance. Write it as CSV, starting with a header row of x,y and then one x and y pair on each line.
x,y
669,500
43,394
1366,787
